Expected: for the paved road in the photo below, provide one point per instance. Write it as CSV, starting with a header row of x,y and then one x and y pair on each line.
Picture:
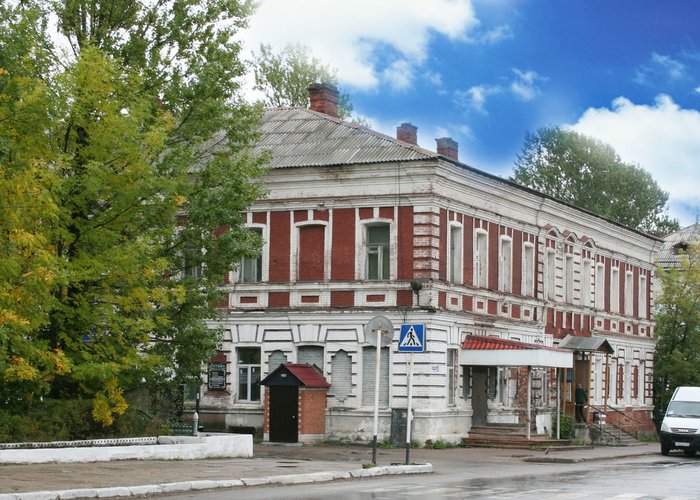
x,y
647,477
459,464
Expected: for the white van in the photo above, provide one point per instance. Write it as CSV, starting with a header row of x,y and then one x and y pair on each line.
x,y
680,429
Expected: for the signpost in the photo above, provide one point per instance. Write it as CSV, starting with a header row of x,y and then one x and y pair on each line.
x,y
379,332
411,339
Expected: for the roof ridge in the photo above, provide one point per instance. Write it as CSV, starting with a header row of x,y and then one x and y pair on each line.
x,y
360,128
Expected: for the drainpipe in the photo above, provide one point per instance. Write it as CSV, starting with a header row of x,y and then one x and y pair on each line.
x,y
559,403
607,382
529,396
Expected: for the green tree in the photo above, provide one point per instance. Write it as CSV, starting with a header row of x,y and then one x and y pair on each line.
x,y
677,359
589,174
125,166
283,77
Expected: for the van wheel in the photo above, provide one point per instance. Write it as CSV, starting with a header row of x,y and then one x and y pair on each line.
x,y
689,453
664,450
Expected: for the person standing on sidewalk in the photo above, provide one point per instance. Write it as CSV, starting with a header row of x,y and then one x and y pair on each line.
x,y
580,399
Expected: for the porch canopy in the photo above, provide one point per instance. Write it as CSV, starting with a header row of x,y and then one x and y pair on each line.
x,y
478,350
586,344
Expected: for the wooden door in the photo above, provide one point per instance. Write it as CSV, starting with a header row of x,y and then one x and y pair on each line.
x,y
284,414
479,394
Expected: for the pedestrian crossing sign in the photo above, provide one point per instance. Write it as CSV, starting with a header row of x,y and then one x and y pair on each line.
x,y
412,338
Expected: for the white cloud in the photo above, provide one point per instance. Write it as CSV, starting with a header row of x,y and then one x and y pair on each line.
x,y
495,35
697,90
354,36
525,85
436,78
660,68
474,98
662,138
398,75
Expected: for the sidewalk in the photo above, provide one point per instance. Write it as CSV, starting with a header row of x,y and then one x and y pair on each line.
x,y
278,465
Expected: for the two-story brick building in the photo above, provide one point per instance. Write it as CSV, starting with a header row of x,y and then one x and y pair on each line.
x,y
358,224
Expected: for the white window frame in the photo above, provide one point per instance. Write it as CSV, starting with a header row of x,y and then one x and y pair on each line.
x,y
600,286
550,285
192,270
452,376
249,368
264,252
257,262
615,289
586,283
569,279
629,293
528,270
642,299
505,268
481,258
367,251
455,254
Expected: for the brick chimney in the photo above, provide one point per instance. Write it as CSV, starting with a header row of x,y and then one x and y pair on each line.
x,y
407,132
324,98
448,148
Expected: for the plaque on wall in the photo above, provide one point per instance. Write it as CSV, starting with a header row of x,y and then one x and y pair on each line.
x,y
217,377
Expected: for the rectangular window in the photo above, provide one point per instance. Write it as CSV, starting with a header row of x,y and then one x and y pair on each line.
x,y
550,289
377,261
528,283
586,284
600,286
615,289
629,293
192,262
505,270
466,382
481,260
249,373
451,375
455,260
251,267
642,296
569,263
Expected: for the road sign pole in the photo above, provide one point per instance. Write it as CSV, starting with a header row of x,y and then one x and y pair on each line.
x,y
409,415
376,399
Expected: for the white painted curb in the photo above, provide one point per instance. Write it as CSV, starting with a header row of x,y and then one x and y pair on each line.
x,y
312,477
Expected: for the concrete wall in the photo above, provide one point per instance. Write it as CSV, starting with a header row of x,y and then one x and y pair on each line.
x,y
169,448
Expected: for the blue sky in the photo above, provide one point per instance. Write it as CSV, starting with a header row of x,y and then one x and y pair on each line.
x,y
485,72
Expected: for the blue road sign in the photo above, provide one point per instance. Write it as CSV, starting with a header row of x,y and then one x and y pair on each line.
x,y
412,338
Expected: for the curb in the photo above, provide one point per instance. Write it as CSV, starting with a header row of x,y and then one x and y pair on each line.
x,y
562,460
125,491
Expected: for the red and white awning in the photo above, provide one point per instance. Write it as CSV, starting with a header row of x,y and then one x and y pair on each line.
x,y
478,350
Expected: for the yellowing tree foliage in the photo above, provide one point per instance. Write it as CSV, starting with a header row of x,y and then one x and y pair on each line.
x,y
125,164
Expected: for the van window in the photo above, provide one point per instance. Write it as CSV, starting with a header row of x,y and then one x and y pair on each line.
x,y
684,409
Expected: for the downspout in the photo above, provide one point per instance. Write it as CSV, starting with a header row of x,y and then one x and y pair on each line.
x,y
559,373
607,382
529,395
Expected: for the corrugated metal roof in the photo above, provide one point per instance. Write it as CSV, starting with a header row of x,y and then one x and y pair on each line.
x,y
308,375
481,343
675,243
298,137
586,344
